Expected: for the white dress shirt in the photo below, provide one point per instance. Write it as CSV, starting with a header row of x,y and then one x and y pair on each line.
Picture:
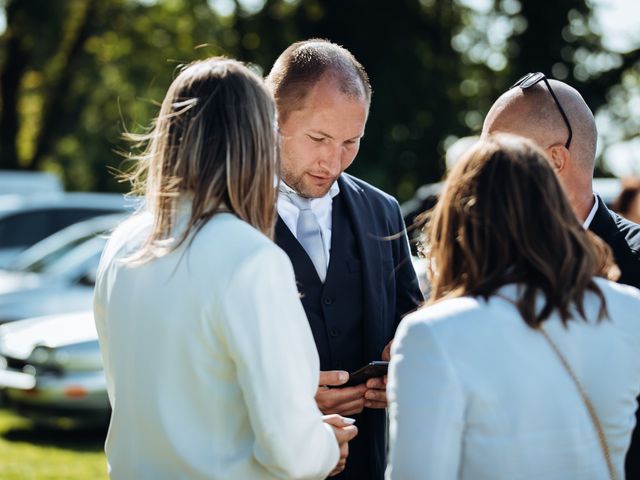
x,y
476,394
210,362
321,208
592,213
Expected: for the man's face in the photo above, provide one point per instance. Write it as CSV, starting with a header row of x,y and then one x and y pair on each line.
x,y
322,139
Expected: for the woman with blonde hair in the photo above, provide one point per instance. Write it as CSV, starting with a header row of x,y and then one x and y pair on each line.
x,y
524,364
210,363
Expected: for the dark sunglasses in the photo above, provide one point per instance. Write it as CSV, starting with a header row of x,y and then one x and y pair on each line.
x,y
529,80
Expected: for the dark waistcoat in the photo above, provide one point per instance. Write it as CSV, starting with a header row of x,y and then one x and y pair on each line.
x,y
334,309
336,316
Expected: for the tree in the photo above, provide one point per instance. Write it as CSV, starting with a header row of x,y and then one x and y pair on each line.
x,y
76,74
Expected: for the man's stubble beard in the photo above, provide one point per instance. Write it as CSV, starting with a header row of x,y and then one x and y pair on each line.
x,y
298,184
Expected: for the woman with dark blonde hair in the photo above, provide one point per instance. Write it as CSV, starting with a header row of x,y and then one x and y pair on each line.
x,y
524,364
210,363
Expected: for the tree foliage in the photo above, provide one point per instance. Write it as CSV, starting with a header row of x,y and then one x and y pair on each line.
x,y
75,74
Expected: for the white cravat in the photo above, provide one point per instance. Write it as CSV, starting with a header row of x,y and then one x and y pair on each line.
x,y
320,207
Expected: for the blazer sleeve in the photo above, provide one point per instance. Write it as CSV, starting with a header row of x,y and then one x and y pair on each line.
x,y
408,293
270,342
99,317
426,408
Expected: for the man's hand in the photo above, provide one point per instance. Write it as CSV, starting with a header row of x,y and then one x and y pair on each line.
x,y
343,401
386,353
376,394
344,431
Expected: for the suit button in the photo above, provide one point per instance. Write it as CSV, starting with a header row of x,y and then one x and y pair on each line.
x,y
334,332
327,300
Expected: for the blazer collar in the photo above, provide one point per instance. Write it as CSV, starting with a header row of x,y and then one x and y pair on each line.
x,y
364,220
603,224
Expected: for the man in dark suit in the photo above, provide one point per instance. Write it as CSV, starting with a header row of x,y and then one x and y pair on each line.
x,y
346,239
555,116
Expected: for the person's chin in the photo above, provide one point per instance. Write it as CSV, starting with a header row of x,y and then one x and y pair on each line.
x,y
316,187
315,191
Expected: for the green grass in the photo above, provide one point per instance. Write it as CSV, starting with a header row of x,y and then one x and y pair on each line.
x,y
30,452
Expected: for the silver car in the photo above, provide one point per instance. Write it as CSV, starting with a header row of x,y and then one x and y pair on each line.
x,y
51,370
57,274
27,219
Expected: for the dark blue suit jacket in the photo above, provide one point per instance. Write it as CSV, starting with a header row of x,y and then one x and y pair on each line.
x,y
391,288
623,237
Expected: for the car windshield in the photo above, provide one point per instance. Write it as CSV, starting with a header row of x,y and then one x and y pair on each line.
x,y
69,257
30,263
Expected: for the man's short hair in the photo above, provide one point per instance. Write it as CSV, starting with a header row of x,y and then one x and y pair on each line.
x,y
302,65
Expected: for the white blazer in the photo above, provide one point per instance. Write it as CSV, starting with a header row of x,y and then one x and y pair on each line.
x,y
476,394
210,362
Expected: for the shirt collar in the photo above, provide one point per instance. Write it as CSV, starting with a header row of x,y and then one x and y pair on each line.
x,y
592,213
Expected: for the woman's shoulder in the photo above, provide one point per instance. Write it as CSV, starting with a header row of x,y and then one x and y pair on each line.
x,y
622,301
129,234
225,239
447,314
225,229
619,290
467,315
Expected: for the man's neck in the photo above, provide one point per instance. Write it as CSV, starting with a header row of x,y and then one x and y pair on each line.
x,y
582,206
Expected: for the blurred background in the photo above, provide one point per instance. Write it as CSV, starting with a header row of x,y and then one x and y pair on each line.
x,y
76,74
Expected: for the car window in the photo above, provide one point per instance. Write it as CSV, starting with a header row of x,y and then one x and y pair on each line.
x,y
67,216
43,263
79,259
23,229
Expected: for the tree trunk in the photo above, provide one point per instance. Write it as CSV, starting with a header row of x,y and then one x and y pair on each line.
x,y
10,77
55,95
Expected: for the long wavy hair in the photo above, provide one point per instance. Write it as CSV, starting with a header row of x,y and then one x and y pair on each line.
x,y
213,144
504,218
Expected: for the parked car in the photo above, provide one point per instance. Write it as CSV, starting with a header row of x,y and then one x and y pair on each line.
x,y
47,278
58,244
58,284
51,370
25,220
28,183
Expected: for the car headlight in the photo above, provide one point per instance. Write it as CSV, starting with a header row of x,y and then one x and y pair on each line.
x,y
41,355
78,357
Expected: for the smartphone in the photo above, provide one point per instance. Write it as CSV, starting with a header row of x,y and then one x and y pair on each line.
x,y
373,369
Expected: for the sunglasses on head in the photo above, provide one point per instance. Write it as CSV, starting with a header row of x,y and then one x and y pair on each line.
x,y
529,80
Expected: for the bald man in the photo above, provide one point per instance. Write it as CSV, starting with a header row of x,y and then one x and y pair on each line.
x,y
556,117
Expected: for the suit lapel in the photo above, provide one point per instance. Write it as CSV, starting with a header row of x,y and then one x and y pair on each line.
x,y
369,241
297,254
603,224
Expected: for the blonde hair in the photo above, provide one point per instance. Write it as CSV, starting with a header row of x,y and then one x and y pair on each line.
x,y
503,218
214,144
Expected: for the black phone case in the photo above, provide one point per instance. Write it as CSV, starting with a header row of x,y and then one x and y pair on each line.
x,y
371,370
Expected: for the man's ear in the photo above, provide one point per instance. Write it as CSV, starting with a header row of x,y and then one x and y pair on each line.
x,y
558,157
